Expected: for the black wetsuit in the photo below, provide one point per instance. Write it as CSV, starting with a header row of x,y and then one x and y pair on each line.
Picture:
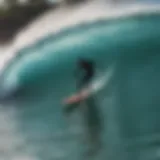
x,y
88,68
92,117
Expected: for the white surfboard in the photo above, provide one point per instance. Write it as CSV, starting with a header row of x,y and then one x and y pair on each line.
x,y
94,87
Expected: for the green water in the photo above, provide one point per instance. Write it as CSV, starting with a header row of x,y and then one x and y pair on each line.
x,y
129,105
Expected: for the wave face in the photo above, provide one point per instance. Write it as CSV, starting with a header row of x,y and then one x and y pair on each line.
x,y
42,75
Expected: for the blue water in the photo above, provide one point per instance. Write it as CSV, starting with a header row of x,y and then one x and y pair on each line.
x,y
129,105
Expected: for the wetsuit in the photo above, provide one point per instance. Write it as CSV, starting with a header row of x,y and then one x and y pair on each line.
x,y
87,69
91,113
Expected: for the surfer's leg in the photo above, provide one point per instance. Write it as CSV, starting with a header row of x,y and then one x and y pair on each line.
x,y
94,135
94,143
93,126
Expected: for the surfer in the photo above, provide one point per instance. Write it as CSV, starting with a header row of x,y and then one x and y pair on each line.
x,y
87,68
85,72
92,119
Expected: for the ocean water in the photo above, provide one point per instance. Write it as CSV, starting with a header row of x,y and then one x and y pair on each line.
x,y
129,105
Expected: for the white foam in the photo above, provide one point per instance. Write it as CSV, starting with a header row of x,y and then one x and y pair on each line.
x,y
64,17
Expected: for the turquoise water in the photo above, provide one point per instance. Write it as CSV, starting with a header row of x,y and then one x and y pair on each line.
x,y
129,104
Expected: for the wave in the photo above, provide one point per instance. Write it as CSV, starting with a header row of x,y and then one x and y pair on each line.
x,y
45,73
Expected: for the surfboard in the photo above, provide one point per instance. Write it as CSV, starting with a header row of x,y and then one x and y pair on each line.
x,y
76,97
84,93
96,85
